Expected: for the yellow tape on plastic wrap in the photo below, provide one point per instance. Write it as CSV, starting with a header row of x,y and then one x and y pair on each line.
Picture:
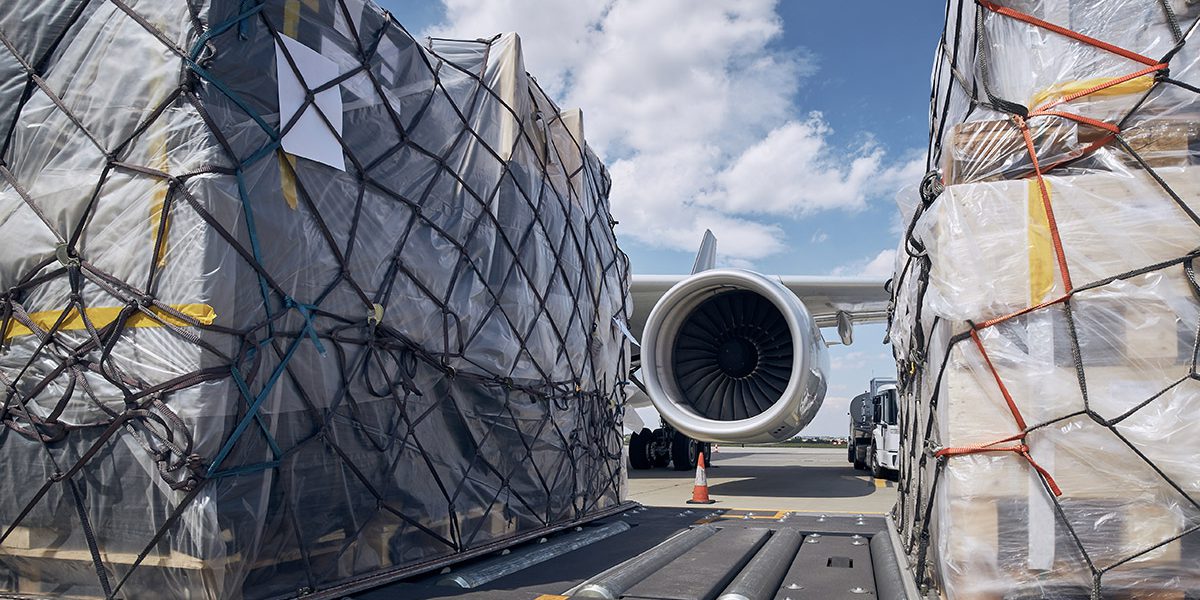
x,y
102,316
160,160
291,15
1062,90
291,28
287,178
158,198
1041,251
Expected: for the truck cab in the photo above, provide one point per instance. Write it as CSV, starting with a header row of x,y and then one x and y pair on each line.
x,y
874,441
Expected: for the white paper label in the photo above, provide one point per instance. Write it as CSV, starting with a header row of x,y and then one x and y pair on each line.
x,y
310,137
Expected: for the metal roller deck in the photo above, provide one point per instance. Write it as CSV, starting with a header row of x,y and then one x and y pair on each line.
x,y
686,554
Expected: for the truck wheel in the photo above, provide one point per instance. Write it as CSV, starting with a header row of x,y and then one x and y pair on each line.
x,y
639,457
684,451
876,471
859,465
850,453
659,456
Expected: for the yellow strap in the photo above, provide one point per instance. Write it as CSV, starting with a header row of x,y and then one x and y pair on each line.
x,y
291,28
158,198
291,15
1041,253
287,178
159,159
102,316
1062,90
157,202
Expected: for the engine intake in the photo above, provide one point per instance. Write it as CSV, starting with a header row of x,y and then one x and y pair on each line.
x,y
733,356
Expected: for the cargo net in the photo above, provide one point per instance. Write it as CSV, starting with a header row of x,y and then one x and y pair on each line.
x,y
1046,306
290,300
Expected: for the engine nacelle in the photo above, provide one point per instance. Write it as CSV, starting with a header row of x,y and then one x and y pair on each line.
x,y
733,356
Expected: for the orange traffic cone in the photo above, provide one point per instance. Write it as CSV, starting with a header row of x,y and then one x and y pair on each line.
x,y
700,490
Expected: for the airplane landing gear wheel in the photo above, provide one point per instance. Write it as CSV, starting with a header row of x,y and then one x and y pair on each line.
x,y
639,450
684,452
660,456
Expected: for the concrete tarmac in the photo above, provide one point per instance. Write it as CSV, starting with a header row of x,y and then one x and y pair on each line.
x,y
814,480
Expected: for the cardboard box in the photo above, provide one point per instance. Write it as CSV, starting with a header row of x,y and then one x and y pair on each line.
x,y
992,252
995,149
995,546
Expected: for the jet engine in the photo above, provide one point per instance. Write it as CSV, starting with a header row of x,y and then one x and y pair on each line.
x,y
733,356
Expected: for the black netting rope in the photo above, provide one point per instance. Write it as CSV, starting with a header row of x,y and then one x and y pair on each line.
x,y
365,350
914,510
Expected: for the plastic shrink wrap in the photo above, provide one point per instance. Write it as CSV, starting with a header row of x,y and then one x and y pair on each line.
x,y
289,300
1046,309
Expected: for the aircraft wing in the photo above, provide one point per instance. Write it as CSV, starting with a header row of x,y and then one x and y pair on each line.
x,y
862,299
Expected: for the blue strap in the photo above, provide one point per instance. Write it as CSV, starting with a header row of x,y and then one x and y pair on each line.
x,y
254,406
214,31
245,391
246,469
306,312
255,248
242,25
224,89
269,148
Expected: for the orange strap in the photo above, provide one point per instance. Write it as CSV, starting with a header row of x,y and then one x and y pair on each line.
x,y
1097,88
988,447
1045,193
1020,16
1152,66
1098,124
1012,406
1023,311
1021,448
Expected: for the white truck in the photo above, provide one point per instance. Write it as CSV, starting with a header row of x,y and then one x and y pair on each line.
x,y
874,441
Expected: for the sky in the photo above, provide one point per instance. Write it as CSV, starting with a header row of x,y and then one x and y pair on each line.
x,y
788,128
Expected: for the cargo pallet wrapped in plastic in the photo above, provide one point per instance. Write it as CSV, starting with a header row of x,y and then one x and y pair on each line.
x,y
1046,307
290,302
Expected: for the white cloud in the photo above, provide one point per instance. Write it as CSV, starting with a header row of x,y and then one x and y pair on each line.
x,y
851,359
691,103
832,418
649,195
556,36
881,265
818,237
793,171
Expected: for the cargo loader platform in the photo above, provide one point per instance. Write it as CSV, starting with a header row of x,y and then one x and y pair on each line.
x,y
683,554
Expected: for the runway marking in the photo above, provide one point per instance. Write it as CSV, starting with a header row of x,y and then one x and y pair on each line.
x,y
744,514
880,483
552,597
779,514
